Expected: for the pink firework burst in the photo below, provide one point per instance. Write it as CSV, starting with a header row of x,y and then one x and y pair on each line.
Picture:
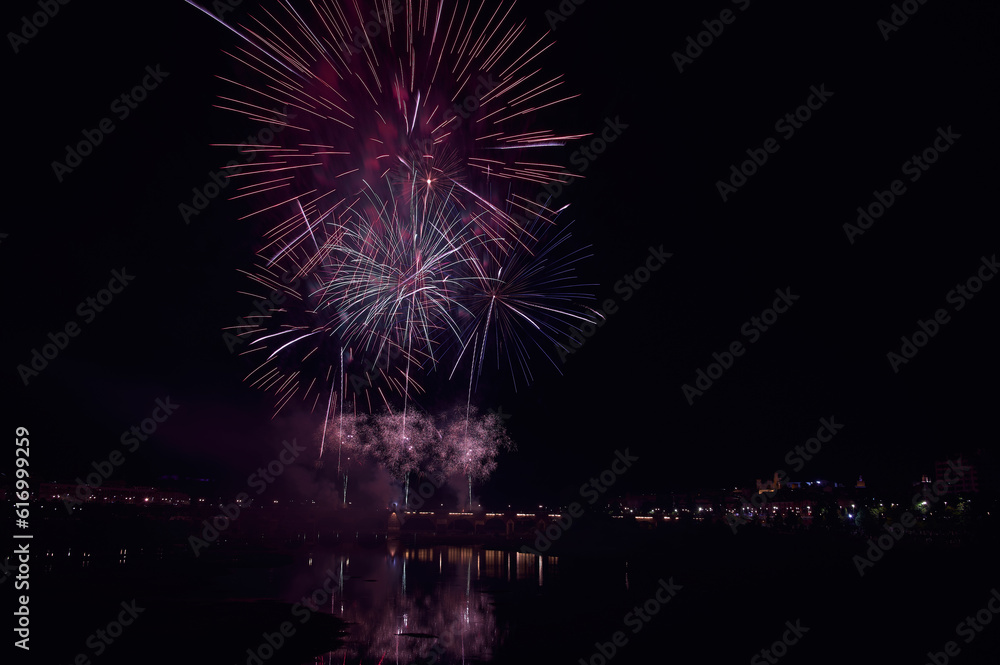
x,y
432,95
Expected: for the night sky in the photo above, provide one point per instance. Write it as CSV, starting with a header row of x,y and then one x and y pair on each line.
x,y
883,101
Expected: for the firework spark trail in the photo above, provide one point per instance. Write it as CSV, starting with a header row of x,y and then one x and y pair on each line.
x,y
397,273
523,301
390,102
400,194
473,442
399,281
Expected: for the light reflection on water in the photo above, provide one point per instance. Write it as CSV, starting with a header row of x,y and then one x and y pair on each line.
x,y
437,594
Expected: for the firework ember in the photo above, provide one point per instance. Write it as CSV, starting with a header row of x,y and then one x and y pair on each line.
x,y
461,443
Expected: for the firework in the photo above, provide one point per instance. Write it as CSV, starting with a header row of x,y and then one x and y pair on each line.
x,y
432,96
521,303
408,284
401,442
472,443
387,289
400,180
409,233
461,442
391,278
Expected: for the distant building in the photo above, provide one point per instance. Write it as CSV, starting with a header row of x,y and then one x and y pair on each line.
x,y
803,509
638,502
819,483
770,486
113,493
967,483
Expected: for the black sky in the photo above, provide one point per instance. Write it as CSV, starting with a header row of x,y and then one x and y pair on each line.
x,y
654,185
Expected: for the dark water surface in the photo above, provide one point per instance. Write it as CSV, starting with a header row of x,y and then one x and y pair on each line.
x,y
700,595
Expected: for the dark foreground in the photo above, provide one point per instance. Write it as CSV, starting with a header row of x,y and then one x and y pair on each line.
x,y
681,593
